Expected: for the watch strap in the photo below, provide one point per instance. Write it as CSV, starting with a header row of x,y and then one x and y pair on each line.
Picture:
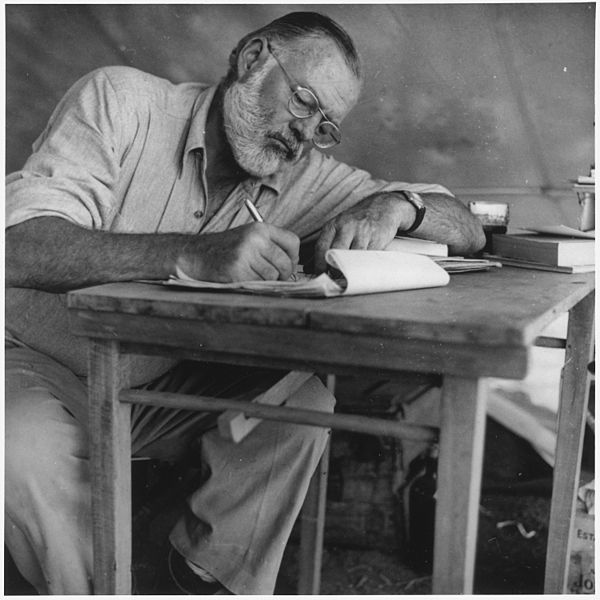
x,y
417,202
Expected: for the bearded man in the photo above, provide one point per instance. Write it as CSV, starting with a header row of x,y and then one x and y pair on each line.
x,y
137,178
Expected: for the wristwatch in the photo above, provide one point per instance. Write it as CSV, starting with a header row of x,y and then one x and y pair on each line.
x,y
417,202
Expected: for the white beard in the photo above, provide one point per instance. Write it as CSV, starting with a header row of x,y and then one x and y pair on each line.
x,y
247,129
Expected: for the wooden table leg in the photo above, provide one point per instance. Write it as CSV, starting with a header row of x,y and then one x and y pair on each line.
x,y
312,526
312,523
110,441
462,432
574,392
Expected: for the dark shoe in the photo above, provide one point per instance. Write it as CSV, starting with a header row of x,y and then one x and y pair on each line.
x,y
187,581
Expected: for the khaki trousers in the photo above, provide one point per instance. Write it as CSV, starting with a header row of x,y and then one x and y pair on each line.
x,y
236,525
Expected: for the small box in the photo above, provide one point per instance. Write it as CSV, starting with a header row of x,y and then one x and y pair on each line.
x,y
581,567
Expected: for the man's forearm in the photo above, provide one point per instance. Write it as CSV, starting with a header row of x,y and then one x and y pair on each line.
x,y
449,221
55,255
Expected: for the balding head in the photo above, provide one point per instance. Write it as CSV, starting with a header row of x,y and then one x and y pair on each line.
x,y
290,34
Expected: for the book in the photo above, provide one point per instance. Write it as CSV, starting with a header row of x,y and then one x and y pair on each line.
x,y
352,272
557,251
417,246
562,231
529,264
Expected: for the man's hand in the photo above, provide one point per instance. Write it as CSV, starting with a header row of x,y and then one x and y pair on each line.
x,y
249,252
369,225
372,224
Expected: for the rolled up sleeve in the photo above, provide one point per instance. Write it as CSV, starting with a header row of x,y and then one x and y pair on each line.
x,y
74,166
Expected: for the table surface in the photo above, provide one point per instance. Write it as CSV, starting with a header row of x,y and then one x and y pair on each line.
x,y
508,307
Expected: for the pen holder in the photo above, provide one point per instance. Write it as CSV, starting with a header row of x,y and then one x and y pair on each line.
x,y
494,218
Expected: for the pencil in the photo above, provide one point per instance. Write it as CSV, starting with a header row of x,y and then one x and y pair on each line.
x,y
253,210
257,217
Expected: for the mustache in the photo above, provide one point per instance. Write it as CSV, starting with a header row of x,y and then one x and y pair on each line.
x,y
294,143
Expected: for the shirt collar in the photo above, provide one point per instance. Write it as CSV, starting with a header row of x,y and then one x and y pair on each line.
x,y
197,131
276,181
196,140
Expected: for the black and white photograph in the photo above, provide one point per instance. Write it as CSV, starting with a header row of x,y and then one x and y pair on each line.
x,y
299,299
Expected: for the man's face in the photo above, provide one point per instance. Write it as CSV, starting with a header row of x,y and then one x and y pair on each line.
x,y
264,136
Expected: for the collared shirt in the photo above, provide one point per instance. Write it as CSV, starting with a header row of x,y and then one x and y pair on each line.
x,y
124,151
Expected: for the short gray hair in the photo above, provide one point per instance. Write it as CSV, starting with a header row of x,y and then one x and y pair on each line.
x,y
295,27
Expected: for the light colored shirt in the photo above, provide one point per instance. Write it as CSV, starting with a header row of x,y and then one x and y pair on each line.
x,y
124,151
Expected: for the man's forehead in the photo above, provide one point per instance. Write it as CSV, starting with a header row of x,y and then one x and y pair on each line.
x,y
313,52
320,65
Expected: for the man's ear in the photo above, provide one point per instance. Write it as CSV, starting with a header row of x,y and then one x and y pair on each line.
x,y
253,55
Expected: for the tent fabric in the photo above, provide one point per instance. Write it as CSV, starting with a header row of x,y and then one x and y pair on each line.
x,y
471,96
496,98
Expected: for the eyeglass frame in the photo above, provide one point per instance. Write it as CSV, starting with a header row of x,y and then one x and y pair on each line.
x,y
295,87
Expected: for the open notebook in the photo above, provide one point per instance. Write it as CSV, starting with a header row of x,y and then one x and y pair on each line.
x,y
352,272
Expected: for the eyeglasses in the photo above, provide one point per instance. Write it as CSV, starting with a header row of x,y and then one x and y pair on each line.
x,y
303,104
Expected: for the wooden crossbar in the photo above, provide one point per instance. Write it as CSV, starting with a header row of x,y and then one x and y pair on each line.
x,y
317,418
545,341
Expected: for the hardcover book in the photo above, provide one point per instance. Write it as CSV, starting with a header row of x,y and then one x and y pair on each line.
x,y
556,251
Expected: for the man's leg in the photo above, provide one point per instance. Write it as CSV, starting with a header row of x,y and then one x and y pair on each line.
x,y
47,493
47,473
238,523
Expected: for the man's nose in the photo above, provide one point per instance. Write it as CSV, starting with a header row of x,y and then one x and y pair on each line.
x,y
305,128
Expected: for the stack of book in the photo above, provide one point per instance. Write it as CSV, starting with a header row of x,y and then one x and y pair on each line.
x,y
546,252
438,252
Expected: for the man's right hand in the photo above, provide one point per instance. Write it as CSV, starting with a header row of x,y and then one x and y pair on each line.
x,y
250,252
55,255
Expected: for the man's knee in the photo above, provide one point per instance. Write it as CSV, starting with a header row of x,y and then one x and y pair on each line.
x,y
312,395
40,434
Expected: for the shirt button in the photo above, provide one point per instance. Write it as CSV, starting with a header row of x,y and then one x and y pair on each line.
x,y
199,214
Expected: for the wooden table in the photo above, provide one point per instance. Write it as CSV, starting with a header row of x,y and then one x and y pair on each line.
x,y
481,325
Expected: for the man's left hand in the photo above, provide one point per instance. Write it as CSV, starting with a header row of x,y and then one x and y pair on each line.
x,y
369,225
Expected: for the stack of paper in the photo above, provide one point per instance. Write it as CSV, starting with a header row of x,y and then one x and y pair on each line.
x,y
458,264
417,246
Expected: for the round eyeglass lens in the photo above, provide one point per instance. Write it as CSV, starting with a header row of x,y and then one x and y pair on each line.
x,y
303,103
327,135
